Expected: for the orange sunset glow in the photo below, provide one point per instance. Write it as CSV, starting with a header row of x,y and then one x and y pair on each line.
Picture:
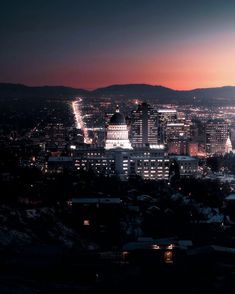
x,y
181,46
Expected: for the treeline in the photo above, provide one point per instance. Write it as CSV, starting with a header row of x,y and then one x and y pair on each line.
x,y
222,163
35,186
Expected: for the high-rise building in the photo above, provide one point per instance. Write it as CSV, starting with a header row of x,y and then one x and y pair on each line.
x,y
164,116
177,136
178,147
177,131
216,135
144,126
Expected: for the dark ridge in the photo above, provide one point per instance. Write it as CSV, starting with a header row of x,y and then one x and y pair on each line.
x,y
22,91
160,94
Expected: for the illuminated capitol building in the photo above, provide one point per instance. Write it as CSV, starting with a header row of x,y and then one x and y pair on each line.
x,y
117,132
118,157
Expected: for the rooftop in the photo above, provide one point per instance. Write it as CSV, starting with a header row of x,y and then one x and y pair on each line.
x,y
184,158
230,197
117,119
166,110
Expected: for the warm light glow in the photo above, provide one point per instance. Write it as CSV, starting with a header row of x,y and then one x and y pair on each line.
x,y
86,222
125,254
168,257
206,62
170,247
79,120
156,247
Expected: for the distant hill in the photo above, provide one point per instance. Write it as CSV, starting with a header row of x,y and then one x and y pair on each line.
x,y
219,95
161,94
22,91
135,90
227,92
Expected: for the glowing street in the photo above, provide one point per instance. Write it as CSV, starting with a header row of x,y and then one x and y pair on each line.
x,y
79,120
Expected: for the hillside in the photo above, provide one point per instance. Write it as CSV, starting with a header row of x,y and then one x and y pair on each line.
x,y
217,95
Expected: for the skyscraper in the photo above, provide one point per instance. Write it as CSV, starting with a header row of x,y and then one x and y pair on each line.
x,y
216,135
143,126
177,136
164,116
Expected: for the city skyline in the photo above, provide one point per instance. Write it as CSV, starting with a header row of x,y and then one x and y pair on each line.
x,y
90,44
117,146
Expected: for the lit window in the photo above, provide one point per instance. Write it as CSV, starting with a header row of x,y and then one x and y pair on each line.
x,y
170,247
168,256
86,222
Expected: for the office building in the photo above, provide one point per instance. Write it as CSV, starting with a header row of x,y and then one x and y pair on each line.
x,y
164,117
144,126
177,137
216,135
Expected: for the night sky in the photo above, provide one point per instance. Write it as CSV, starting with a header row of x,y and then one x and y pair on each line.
x,y
93,43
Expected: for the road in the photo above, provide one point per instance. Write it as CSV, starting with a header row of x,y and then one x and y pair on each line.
x,y
76,105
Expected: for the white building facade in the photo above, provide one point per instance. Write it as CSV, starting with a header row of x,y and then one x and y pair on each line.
x,y
117,133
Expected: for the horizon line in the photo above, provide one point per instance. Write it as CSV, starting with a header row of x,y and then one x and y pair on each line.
x,y
110,85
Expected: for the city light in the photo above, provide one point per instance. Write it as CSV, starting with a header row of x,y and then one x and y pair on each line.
x,y
156,247
168,257
170,247
79,120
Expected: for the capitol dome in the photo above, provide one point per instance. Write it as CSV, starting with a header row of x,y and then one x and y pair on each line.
x,y
117,132
117,119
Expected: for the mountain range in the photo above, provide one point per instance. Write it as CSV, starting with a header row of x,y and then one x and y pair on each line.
x,y
160,94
